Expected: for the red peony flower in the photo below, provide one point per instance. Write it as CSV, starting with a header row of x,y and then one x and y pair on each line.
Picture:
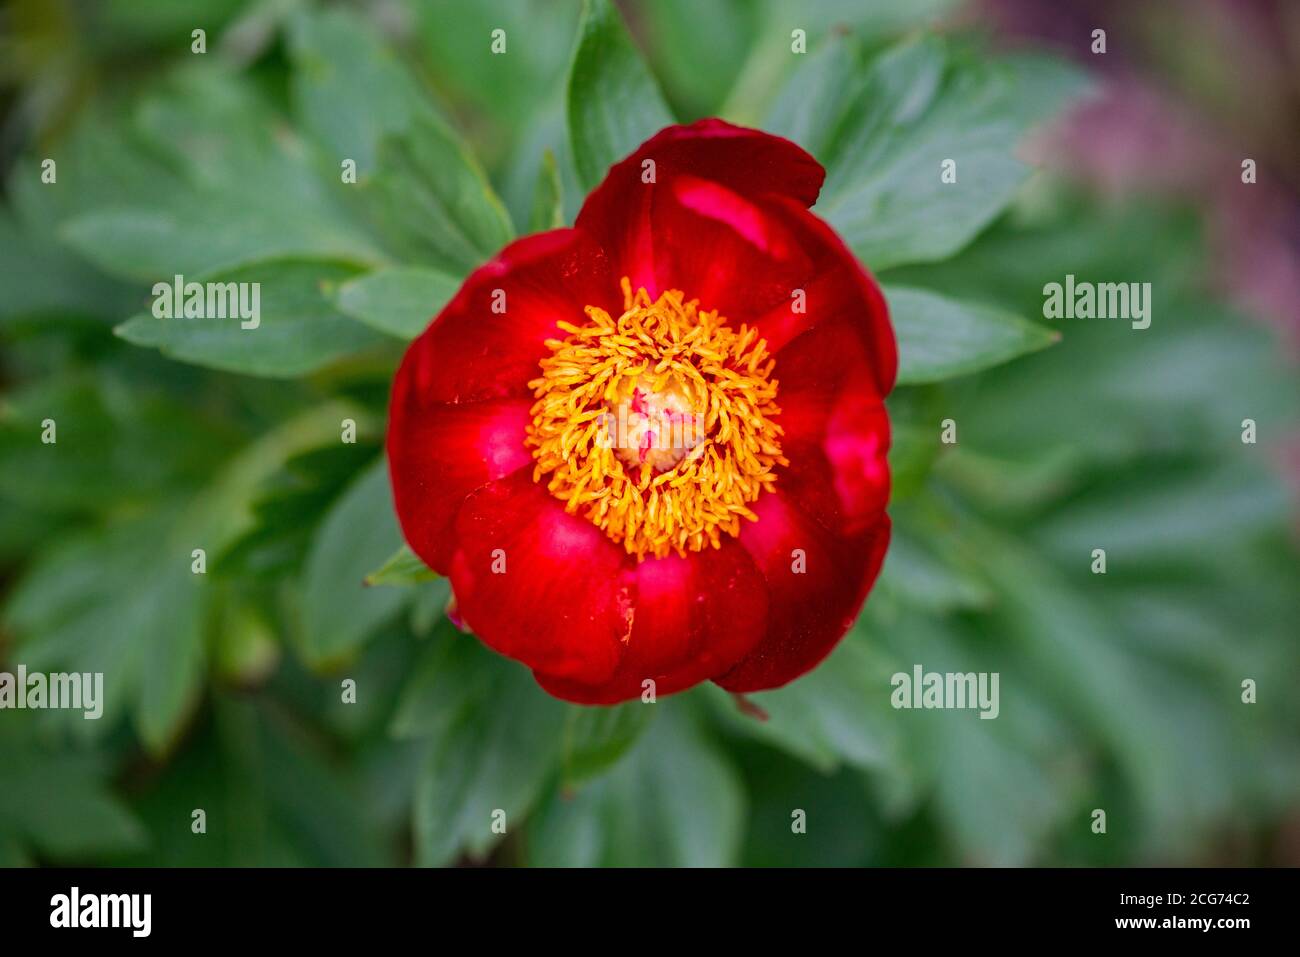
x,y
653,446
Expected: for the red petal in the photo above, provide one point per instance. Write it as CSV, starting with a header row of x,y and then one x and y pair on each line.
x,y
836,429
809,611
558,603
837,289
627,216
475,350
693,618
439,453
844,482
719,248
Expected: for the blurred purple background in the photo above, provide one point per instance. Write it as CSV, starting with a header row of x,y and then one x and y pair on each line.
x,y
1188,89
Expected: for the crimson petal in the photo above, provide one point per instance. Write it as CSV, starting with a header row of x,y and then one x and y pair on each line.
x,y
438,453
816,583
693,617
623,213
538,584
488,340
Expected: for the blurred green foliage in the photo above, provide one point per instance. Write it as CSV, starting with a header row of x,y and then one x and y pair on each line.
x,y
1121,691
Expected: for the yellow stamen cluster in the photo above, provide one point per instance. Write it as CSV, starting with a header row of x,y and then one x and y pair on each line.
x,y
667,349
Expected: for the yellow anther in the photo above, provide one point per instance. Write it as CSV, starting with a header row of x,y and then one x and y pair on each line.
x,y
657,425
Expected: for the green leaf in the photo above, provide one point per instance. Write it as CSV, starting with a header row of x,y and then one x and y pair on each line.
x,y
449,678
349,88
122,602
824,22
246,649
297,329
1018,759
42,279
56,802
401,301
836,714
114,446
248,191
674,801
922,104
431,200
548,200
939,338
455,43
924,568
417,183
1019,803
597,738
494,739
403,568
810,105
524,168
358,534
1089,661
429,609
123,599
613,103
104,161
698,49
1181,519
274,794
289,504
850,831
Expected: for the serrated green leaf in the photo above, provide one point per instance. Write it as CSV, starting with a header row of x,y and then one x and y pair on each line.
x,y
674,801
403,568
613,103
248,191
431,201
417,183
939,338
919,105
401,301
124,599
